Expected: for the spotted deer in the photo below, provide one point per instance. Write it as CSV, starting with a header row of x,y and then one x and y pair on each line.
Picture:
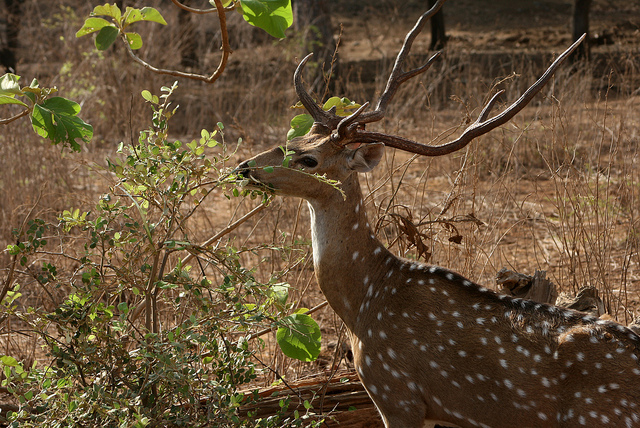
x,y
430,345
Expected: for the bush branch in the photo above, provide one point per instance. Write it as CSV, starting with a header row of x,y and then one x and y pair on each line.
x,y
16,117
229,8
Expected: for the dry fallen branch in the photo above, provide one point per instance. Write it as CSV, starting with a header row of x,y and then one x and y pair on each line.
x,y
343,398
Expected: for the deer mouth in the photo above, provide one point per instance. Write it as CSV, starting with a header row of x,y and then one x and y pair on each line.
x,y
246,178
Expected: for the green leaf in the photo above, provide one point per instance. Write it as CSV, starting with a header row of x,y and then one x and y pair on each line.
x,y
8,361
299,337
147,95
56,119
111,10
134,40
344,106
300,125
152,15
106,36
132,15
280,293
273,16
225,3
91,25
10,100
9,85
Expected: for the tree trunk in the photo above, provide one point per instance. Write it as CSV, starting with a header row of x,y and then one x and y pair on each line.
x,y
312,21
438,36
8,56
580,26
187,40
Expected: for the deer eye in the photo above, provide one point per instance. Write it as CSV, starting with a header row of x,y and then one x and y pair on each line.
x,y
309,162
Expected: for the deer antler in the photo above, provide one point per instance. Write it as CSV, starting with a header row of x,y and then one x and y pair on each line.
x,y
326,118
351,129
397,77
481,126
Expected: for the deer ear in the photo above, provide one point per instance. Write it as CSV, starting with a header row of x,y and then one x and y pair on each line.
x,y
366,157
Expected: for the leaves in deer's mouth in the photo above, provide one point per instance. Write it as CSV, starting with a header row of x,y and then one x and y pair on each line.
x,y
299,337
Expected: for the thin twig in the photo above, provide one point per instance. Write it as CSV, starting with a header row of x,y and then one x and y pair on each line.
x,y
225,231
9,281
226,51
229,8
16,117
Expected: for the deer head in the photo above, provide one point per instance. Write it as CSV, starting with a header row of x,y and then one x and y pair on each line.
x,y
339,147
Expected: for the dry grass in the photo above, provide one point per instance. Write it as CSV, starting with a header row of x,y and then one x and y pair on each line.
x,y
556,189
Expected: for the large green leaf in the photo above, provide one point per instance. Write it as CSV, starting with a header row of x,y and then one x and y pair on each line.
x,y
344,106
91,25
4,99
273,16
8,361
300,125
111,10
145,14
299,337
106,36
132,15
152,15
57,119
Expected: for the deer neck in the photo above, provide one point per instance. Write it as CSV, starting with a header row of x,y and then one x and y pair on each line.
x,y
347,257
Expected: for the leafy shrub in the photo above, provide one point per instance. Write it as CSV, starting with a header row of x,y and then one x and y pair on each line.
x,y
154,329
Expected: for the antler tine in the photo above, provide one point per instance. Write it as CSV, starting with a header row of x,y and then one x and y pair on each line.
x,y
397,76
343,126
319,115
479,127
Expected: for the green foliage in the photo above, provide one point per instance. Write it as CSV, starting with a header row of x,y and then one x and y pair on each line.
x,y
108,31
299,337
147,326
273,16
112,363
9,88
55,118
302,123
